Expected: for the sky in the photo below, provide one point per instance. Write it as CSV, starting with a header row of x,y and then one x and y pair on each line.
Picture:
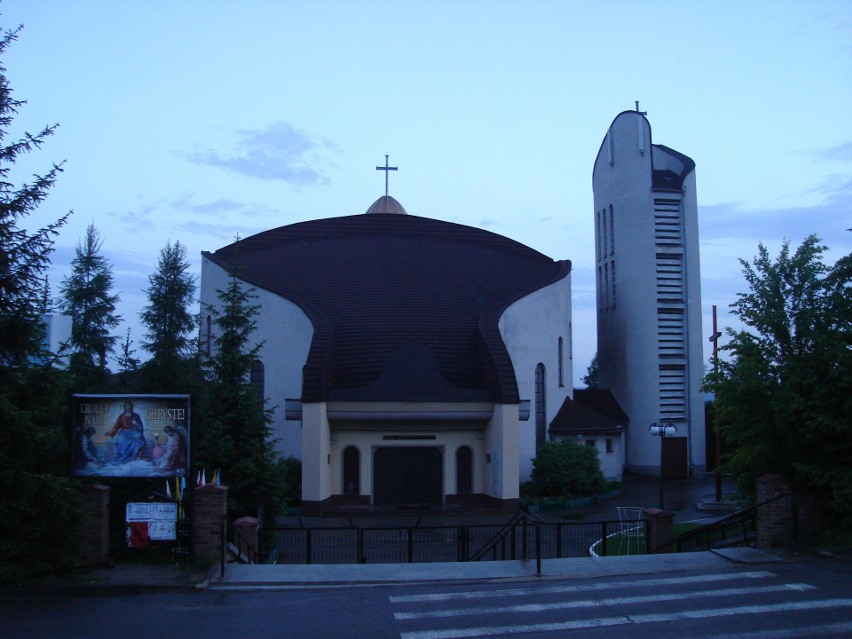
x,y
200,120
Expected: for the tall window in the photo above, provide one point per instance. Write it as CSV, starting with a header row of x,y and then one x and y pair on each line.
x,y
561,356
258,380
209,333
540,407
351,471
464,470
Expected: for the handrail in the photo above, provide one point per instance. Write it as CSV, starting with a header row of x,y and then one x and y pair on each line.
x,y
745,518
500,535
244,546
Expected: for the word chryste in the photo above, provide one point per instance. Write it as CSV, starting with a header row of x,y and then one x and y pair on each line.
x,y
165,413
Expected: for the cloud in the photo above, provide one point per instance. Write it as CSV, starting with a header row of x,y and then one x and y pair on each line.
x,y
278,152
828,219
841,152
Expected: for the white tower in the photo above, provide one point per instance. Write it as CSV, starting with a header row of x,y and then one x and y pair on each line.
x,y
650,353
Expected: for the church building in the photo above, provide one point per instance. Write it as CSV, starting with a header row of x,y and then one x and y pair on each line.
x,y
413,361
405,352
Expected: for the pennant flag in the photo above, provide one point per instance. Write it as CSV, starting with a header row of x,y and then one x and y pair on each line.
x,y
203,477
198,479
182,486
218,476
178,496
168,490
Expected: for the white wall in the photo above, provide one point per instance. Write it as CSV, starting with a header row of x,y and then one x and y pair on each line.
x,y
286,333
531,328
628,355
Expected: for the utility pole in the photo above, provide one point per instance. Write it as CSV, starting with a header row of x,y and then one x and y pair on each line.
x,y
715,339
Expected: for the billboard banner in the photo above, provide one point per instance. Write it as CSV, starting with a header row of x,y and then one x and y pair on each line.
x,y
130,435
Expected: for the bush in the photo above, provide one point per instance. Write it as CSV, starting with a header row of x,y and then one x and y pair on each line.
x,y
41,519
566,468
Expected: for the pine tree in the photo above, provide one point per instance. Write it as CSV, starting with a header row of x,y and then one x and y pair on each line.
x,y
234,428
169,322
590,379
35,492
25,256
127,360
87,298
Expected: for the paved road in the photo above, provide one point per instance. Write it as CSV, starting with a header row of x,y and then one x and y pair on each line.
x,y
737,604
777,600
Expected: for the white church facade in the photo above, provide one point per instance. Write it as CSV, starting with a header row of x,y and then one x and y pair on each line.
x,y
413,361
399,351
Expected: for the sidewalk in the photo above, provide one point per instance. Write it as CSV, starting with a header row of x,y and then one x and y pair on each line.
x,y
252,576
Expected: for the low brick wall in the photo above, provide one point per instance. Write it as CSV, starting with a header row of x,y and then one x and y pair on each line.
x,y
659,530
775,520
209,506
96,524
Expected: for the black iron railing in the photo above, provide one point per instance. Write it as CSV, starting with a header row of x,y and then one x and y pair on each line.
x,y
521,538
737,529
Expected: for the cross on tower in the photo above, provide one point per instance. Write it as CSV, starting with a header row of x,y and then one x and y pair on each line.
x,y
386,168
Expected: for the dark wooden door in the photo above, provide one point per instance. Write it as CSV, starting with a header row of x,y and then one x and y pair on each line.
x,y
408,475
674,458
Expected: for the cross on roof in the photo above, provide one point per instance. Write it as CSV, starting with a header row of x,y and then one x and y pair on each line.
x,y
386,168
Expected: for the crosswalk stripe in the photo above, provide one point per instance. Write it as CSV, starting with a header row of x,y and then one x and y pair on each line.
x,y
792,633
589,603
462,633
522,592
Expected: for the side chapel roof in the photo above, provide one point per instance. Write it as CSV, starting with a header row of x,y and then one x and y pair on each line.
x,y
591,411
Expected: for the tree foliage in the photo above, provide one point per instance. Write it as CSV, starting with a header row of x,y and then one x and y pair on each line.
x,y
26,255
167,317
89,300
34,493
566,468
234,432
784,394
590,379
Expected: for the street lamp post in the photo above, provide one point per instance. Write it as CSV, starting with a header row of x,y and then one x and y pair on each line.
x,y
662,431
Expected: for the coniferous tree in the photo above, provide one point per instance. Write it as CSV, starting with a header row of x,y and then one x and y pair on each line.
x,y
170,323
234,426
127,360
590,379
88,299
25,255
34,491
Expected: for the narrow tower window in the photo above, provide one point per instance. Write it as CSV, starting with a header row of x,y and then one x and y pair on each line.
x,y
561,357
540,407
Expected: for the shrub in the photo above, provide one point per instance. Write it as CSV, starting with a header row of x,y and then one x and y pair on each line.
x,y
567,468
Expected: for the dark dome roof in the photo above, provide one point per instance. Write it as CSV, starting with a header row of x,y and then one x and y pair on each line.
x,y
386,204
385,288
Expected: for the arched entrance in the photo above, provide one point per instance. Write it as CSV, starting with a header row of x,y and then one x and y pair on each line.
x,y
408,475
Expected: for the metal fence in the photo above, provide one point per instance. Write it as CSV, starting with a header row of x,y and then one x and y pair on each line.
x,y
425,544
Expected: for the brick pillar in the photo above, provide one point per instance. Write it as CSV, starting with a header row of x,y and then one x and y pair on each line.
x,y
774,520
659,530
209,506
96,524
246,527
